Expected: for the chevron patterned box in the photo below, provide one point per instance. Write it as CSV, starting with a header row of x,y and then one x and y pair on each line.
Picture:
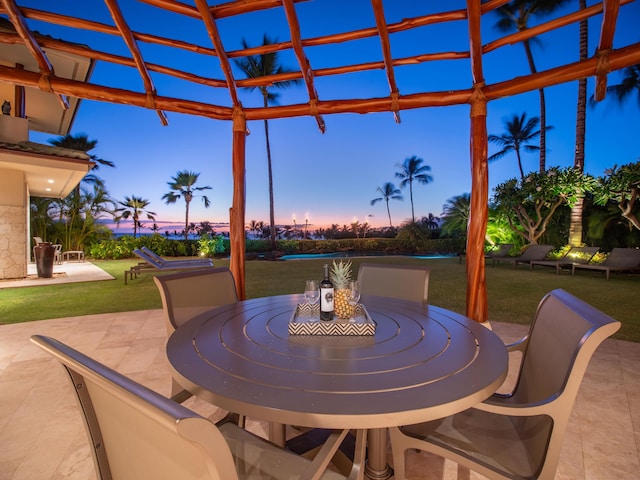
x,y
306,321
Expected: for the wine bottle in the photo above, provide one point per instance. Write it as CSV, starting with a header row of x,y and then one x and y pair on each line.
x,y
326,296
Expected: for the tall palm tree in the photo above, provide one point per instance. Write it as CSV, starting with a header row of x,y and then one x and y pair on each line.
x,y
575,223
262,65
133,207
412,169
388,191
182,186
519,131
515,16
82,143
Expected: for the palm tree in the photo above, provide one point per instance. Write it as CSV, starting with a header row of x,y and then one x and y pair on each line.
x,y
412,169
182,186
387,191
519,131
455,215
514,16
82,143
575,224
133,207
262,65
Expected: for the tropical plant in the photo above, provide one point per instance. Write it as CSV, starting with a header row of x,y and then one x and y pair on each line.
x,y
515,16
82,143
519,132
388,191
41,220
621,186
182,186
455,215
262,65
132,207
529,204
78,216
412,169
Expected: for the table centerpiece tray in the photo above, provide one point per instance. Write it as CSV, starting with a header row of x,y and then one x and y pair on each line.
x,y
306,321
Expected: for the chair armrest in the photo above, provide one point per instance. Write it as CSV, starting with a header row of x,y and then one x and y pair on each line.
x,y
519,345
517,410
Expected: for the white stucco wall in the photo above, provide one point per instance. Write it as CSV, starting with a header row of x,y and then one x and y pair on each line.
x,y
14,219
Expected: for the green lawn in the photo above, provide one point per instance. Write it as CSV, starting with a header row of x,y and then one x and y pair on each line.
x,y
513,294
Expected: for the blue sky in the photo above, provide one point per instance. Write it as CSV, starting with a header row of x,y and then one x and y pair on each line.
x,y
332,177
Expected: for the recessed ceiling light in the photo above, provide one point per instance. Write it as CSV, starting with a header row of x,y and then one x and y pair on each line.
x,y
50,181
48,189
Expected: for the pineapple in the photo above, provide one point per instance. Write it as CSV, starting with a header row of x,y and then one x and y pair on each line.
x,y
340,276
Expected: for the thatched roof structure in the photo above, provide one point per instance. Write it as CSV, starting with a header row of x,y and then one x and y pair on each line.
x,y
113,20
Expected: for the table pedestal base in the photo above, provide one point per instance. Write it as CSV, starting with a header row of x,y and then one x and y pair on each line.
x,y
377,467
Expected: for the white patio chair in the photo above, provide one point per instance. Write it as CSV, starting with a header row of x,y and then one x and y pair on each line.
x,y
519,435
136,433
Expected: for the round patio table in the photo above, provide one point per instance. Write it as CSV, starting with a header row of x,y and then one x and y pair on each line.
x,y
423,363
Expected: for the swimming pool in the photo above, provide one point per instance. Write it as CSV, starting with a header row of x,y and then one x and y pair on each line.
x,y
308,256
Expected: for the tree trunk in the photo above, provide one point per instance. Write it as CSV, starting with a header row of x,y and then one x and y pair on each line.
x,y
575,228
543,111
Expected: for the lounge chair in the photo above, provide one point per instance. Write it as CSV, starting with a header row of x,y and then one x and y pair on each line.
x,y
619,260
581,255
520,434
135,432
151,264
533,252
202,261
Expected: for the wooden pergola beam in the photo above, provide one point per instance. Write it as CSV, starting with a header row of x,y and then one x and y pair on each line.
x,y
383,34
98,27
551,25
303,61
606,44
618,59
16,18
125,33
214,36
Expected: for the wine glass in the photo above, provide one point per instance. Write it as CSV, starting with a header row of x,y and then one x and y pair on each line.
x,y
354,294
311,291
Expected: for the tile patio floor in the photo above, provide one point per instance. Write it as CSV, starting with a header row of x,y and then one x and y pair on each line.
x,y
42,437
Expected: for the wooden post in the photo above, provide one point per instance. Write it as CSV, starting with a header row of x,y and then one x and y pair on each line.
x,y
237,210
476,283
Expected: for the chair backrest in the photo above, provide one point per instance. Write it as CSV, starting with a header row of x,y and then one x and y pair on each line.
x,y
136,433
147,258
406,282
564,334
187,294
500,250
580,254
153,254
37,240
623,257
535,252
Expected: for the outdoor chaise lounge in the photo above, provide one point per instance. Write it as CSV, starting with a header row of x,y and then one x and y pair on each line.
x,y
533,252
581,255
499,250
151,264
620,259
207,262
